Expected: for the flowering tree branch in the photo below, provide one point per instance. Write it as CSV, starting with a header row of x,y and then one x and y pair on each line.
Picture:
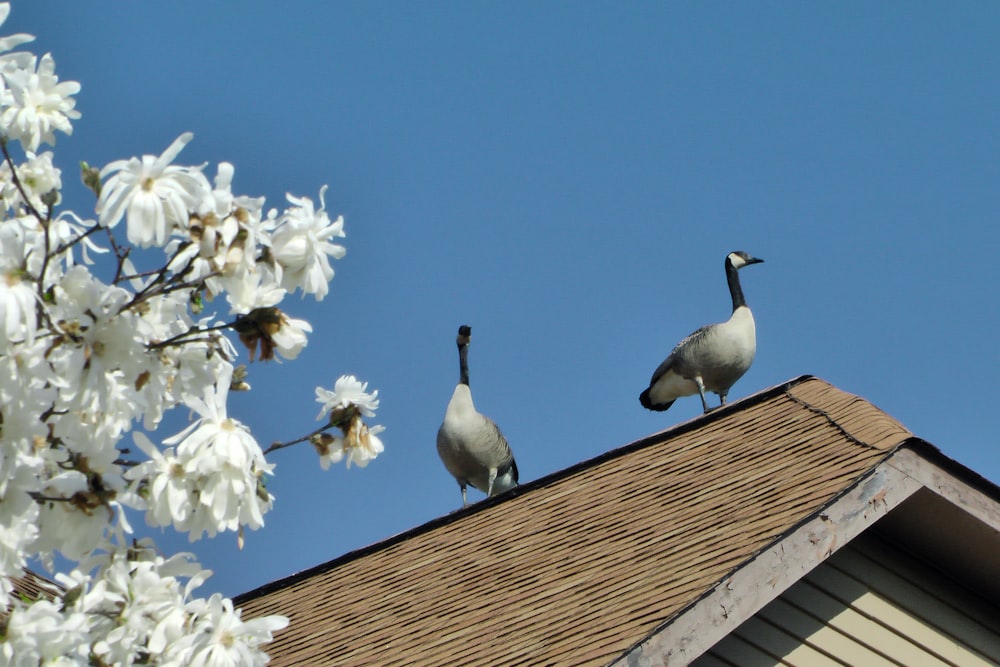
x,y
85,363
345,405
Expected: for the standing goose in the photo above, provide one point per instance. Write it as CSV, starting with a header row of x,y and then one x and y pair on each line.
x,y
714,357
470,445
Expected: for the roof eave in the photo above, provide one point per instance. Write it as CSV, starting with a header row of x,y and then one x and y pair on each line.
x,y
913,466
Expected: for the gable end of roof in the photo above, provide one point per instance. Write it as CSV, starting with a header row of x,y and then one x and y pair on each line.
x,y
594,563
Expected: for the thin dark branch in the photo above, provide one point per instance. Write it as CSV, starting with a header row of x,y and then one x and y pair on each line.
x,y
161,284
120,253
275,446
46,227
43,498
69,244
43,220
143,274
193,331
167,289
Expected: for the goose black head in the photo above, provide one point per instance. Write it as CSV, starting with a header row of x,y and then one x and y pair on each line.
x,y
738,259
464,335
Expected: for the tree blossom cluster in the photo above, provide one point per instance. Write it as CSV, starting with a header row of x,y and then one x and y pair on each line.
x,y
105,325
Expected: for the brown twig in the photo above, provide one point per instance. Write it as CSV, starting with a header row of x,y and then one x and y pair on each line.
x,y
275,446
193,331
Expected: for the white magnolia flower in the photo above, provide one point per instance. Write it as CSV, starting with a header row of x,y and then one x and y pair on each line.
x,y
173,371
18,298
291,338
198,365
219,200
229,233
140,601
17,307
347,391
72,527
272,331
27,389
15,541
217,237
169,499
153,194
251,290
33,104
41,634
135,602
330,449
211,480
362,443
38,176
214,238
220,638
258,228
346,404
66,228
102,353
214,430
19,479
301,246
31,238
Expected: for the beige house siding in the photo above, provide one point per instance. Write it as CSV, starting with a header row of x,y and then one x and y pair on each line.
x,y
869,604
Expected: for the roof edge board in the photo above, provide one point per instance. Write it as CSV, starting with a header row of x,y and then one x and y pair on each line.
x,y
967,475
954,485
545,480
746,590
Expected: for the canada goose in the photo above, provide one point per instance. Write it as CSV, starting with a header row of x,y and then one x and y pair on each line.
x,y
712,358
470,445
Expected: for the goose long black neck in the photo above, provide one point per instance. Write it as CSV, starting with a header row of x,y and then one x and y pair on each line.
x,y
735,291
464,336
463,364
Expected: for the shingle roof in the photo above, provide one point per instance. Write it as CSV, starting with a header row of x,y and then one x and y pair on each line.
x,y
580,566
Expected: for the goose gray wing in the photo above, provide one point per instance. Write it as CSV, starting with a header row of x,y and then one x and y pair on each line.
x,y
497,452
670,363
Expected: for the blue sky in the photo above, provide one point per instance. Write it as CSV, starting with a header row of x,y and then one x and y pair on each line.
x,y
567,178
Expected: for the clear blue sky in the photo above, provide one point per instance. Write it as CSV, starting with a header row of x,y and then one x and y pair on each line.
x,y
567,178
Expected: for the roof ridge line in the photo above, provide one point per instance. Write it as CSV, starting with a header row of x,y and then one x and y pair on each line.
x,y
545,480
829,418
671,431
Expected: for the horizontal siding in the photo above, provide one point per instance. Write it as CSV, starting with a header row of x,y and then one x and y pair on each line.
x,y
809,635
778,641
743,654
870,604
970,619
